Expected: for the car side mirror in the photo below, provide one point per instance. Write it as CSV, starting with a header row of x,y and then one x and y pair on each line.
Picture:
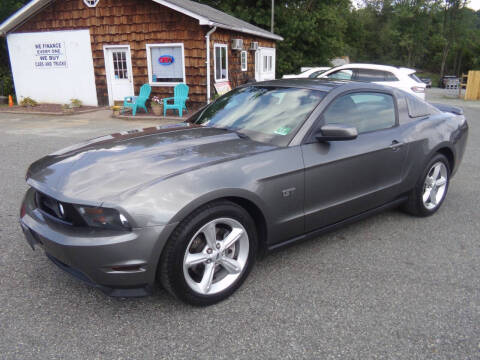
x,y
336,132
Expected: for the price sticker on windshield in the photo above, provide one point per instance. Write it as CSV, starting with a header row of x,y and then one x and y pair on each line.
x,y
285,130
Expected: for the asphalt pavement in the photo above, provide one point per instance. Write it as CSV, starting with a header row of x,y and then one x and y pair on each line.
x,y
389,287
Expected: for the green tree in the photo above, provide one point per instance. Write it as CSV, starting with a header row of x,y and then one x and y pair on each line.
x,y
7,8
314,31
439,36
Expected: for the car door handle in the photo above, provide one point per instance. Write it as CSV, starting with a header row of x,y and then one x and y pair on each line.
x,y
396,145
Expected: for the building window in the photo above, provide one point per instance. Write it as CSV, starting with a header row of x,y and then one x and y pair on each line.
x,y
91,3
221,62
243,60
166,64
120,64
267,63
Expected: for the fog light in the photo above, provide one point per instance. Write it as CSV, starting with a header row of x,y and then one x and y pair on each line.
x,y
61,209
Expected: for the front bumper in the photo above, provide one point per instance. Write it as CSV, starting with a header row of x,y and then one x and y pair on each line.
x,y
118,263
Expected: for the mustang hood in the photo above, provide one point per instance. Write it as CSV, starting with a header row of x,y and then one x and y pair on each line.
x,y
99,169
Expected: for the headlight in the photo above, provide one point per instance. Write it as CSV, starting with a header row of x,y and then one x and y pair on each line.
x,y
104,218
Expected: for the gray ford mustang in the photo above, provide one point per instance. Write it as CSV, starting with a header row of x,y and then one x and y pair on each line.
x,y
192,205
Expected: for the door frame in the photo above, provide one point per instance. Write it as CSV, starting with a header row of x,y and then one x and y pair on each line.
x,y
306,139
106,58
259,63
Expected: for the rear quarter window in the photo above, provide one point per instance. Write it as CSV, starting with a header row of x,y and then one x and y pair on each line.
x,y
369,75
415,77
416,107
390,77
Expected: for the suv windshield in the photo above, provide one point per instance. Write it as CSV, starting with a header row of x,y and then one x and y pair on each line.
x,y
263,113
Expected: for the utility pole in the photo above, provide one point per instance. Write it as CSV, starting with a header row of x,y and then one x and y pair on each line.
x,y
273,14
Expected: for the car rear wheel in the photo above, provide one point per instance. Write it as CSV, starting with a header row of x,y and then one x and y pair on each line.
x,y
431,189
210,254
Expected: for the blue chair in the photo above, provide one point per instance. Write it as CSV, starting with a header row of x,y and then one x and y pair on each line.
x,y
180,96
139,101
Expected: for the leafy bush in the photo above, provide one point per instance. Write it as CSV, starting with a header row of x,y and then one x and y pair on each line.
x,y
6,84
26,102
75,103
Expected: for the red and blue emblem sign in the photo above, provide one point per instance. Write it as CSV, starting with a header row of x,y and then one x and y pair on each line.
x,y
166,60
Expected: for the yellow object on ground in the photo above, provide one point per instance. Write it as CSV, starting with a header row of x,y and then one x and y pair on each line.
x,y
473,86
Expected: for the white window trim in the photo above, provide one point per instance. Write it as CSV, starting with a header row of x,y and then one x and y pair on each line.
x,y
86,2
215,46
149,65
260,74
242,53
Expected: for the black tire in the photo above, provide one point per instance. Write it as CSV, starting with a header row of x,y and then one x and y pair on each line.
x,y
415,204
170,269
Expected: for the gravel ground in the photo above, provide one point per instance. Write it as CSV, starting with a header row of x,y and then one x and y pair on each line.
x,y
389,287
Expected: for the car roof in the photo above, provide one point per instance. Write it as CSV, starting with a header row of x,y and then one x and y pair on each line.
x,y
377,67
316,68
322,84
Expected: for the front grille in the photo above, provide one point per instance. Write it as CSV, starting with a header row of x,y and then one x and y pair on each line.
x,y
53,209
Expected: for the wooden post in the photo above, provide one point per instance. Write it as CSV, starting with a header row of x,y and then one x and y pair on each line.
x,y
273,16
473,86
463,84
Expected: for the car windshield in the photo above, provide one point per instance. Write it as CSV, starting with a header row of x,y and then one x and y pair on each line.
x,y
263,113
316,74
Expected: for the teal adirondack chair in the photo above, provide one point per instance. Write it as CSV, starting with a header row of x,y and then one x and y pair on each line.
x,y
180,96
139,101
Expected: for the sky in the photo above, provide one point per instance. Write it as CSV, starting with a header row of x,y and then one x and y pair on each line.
x,y
474,4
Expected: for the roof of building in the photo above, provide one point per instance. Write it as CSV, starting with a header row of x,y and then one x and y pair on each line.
x,y
205,15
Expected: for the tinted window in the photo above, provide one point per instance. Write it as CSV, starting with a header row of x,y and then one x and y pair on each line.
x,y
369,75
316,73
416,107
365,111
415,77
390,77
341,75
266,114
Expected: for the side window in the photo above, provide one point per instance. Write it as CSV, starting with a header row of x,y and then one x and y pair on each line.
x,y
366,111
345,74
369,75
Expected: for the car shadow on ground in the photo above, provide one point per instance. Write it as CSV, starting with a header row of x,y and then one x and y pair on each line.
x,y
266,282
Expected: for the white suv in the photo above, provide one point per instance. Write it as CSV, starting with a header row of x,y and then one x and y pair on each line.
x,y
398,77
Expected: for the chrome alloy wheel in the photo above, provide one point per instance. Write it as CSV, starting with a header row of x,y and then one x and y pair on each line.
x,y
435,185
216,256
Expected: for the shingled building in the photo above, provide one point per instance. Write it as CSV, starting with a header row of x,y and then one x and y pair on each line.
x,y
100,51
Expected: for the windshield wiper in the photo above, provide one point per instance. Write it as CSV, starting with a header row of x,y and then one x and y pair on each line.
x,y
240,134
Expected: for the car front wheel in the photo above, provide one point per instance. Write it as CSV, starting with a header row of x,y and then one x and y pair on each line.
x,y
431,189
210,254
